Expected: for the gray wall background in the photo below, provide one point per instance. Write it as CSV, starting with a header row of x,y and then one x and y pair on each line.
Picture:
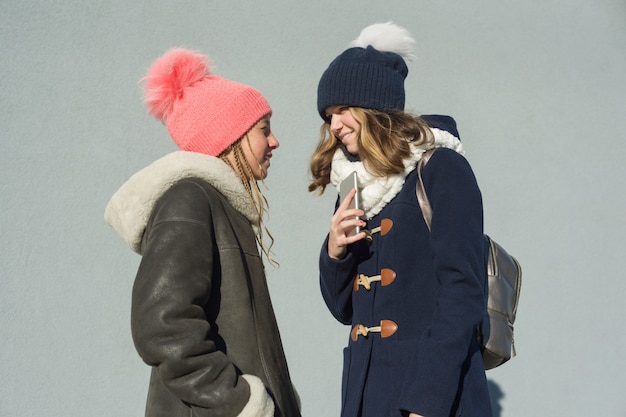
x,y
537,88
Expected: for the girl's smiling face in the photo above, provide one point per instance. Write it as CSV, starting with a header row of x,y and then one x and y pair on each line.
x,y
258,145
344,126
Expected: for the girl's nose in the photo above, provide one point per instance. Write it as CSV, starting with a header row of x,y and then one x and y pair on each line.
x,y
273,142
335,123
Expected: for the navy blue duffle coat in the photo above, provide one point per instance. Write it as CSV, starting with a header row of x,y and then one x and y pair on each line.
x,y
427,358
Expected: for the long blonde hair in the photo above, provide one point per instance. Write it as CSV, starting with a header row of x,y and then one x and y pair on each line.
x,y
383,143
244,170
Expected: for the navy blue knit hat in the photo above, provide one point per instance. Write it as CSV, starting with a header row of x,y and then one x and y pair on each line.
x,y
371,73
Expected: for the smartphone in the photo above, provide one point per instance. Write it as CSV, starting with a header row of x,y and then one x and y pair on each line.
x,y
348,183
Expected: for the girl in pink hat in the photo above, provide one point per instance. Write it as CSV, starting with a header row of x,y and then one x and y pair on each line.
x,y
201,312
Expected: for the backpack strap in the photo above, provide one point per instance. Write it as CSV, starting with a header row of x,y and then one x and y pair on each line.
x,y
422,198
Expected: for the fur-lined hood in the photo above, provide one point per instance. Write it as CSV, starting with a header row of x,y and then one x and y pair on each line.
x,y
130,208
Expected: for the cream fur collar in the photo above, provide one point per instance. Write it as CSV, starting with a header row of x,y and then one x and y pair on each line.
x,y
130,207
376,192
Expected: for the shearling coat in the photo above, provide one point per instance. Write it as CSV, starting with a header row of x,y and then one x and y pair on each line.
x,y
413,298
201,311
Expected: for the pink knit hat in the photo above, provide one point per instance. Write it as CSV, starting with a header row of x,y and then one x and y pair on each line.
x,y
203,112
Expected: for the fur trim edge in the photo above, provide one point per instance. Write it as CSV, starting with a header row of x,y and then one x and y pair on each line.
x,y
260,403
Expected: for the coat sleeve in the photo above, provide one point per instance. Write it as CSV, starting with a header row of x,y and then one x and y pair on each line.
x,y
169,326
456,241
336,278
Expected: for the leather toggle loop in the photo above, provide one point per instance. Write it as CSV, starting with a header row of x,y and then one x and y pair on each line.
x,y
386,277
386,329
384,228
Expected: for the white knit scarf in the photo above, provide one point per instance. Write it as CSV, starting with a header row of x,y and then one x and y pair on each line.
x,y
377,191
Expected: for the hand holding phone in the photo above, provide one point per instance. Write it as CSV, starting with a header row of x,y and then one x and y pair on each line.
x,y
341,234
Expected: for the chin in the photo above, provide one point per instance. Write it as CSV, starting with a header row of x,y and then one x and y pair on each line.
x,y
260,175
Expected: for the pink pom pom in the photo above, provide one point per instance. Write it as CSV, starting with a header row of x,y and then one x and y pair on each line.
x,y
169,76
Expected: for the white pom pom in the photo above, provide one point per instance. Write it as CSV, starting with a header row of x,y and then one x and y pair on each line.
x,y
386,37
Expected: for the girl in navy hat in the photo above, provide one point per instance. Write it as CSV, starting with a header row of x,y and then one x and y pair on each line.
x,y
413,297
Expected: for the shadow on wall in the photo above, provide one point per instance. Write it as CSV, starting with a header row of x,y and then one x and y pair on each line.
x,y
496,394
